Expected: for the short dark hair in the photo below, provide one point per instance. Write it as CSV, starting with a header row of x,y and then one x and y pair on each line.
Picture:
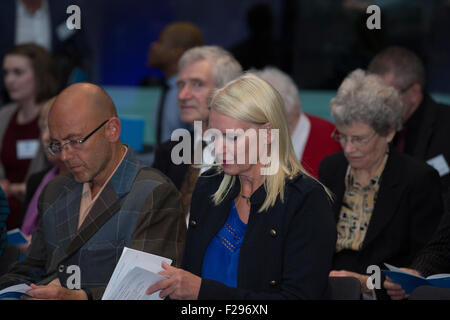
x,y
404,64
43,68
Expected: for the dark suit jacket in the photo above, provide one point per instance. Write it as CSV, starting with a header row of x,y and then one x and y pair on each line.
x,y
428,135
77,44
163,162
435,257
406,214
286,252
145,214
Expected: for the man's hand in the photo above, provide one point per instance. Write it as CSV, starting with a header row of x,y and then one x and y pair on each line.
x,y
179,284
54,292
394,290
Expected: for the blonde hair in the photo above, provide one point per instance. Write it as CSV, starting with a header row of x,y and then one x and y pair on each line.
x,y
45,109
251,99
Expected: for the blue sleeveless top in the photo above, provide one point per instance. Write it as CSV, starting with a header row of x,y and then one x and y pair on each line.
x,y
222,255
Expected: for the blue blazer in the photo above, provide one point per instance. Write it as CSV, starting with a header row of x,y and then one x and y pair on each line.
x,y
287,250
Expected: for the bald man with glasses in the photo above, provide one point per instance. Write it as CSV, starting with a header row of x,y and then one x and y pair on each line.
x,y
111,201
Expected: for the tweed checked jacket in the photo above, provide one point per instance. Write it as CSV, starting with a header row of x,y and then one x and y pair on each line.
x,y
143,212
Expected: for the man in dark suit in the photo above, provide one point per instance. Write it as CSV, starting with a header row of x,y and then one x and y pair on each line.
x,y
433,259
200,71
425,122
112,202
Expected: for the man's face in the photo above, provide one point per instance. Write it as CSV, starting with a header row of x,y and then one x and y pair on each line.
x,y
408,106
195,84
86,161
159,54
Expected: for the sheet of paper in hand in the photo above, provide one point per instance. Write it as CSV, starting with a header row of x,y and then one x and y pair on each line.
x,y
14,292
134,273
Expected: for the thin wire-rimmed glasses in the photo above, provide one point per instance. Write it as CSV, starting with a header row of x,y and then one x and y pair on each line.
x,y
56,148
356,141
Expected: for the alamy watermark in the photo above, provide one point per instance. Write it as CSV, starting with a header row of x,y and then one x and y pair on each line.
x,y
74,280
236,146
74,20
374,280
374,21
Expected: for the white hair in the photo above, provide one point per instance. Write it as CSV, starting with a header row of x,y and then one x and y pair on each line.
x,y
224,66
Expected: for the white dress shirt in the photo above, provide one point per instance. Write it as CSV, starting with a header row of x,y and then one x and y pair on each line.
x,y
33,27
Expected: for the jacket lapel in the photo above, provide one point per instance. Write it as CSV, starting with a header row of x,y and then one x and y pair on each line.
x,y
426,129
387,199
107,204
337,184
67,217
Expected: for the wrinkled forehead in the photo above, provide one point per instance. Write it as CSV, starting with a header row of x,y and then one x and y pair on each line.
x,y
199,69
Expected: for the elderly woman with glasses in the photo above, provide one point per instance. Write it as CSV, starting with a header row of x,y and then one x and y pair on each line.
x,y
387,205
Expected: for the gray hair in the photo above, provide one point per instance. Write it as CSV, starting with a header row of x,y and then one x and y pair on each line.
x,y
224,66
284,85
366,98
404,64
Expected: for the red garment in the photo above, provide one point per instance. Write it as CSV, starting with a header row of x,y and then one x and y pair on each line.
x,y
319,145
16,169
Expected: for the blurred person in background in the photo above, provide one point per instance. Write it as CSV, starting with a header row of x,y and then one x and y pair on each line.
x,y
37,181
164,54
311,135
30,80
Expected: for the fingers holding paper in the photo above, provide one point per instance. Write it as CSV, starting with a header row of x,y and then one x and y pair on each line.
x,y
394,290
54,292
180,284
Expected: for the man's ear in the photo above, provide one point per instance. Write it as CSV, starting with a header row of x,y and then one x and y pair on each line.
x,y
113,129
416,94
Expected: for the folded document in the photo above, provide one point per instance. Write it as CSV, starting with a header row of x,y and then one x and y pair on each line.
x,y
14,292
134,273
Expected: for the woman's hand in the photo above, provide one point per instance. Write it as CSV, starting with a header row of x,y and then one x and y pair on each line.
x,y
17,190
361,277
4,184
179,284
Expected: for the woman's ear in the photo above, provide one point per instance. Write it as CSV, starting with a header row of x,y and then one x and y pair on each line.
x,y
390,136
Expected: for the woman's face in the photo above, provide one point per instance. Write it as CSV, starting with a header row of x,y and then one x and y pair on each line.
x,y
19,77
362,146
237,147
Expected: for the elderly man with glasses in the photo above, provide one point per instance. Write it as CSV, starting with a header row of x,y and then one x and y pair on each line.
x,y
111,201
387,204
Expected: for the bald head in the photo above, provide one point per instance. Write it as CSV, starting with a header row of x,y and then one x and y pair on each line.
x,y
85,98
183,35
83,124
173,41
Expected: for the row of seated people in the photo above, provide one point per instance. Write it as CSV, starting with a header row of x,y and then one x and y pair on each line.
x,y
373,204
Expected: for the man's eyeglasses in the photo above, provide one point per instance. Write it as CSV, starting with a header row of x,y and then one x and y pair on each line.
x,y
56,148
356,141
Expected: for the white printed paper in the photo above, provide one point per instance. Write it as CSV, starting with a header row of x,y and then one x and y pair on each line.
x,y
15,291
134,285
134,266
439,164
